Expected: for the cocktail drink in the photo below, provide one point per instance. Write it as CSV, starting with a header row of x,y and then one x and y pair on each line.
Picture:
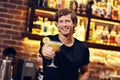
x,y
53,44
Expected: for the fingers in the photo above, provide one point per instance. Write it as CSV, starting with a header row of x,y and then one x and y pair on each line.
x,y
48,52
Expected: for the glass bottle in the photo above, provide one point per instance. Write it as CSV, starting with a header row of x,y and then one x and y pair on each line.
x,y
92,35
77,30
118,38
105,34
73,5
50,3
112,39
45,27
99,32
37,25
42,3
82,31
58,4
108,10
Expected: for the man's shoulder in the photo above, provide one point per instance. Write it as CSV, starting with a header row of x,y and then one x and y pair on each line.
x,y
81,43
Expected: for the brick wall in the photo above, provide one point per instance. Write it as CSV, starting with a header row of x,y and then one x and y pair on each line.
x,y
13,14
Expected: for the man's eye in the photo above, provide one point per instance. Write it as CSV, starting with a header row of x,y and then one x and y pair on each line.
x,y
60,21
67,21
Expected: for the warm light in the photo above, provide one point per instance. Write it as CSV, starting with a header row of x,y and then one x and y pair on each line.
x,y
35,42
44,11
103,21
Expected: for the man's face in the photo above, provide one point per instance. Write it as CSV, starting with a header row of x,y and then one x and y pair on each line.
x,y
65,25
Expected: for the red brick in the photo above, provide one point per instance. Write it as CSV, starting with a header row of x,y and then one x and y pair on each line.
x,y
12,32
20,28
18,47
0,3
10,42
1,30
8,5
4,36
22,7
0,40
15,22
4,0
7,15
3,10
3,20
25,13
23,23
16,1
5,25
3,46
25,2
0,54
15,37
20,17
15,11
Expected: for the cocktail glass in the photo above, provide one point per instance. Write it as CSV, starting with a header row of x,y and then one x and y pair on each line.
x,y
56,46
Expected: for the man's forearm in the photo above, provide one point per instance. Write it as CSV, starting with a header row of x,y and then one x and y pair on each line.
x,y
84,76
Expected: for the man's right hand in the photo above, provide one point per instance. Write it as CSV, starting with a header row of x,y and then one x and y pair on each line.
x,y
48,52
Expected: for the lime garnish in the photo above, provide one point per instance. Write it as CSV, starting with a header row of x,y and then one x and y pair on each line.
x,y
46,40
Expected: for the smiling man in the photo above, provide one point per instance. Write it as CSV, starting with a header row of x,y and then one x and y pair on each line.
x,y
72,58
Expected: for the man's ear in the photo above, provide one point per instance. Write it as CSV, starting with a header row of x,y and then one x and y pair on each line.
x,y
56,25
75,24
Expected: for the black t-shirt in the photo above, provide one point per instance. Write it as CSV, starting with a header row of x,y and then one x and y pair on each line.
x,y
67,60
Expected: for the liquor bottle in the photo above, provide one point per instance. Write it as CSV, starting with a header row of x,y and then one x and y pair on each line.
x,y
119,11
54,29
118,38
58,4
118,7
42,3
84,6
66,3
105,35
77,30
73,5
37,25
99,32
51,3
94,7
108,10
82,31
45,27
115,14
92,34
113,34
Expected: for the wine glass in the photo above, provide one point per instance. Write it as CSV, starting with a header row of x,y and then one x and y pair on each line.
x,y
55,45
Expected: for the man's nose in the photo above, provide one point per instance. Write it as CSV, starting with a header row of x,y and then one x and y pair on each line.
x,y
64,23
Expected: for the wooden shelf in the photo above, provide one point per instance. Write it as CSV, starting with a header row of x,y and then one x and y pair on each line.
x,y
81,15
103,46
105,19
90,44
33,36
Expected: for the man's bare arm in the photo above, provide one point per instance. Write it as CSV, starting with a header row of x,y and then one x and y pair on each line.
x,y
84,73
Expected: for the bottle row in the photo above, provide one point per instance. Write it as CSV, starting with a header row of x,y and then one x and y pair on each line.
x,y
99,33
43,26
101,8
104,34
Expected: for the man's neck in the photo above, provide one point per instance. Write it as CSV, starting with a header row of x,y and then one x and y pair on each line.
x,y
67,40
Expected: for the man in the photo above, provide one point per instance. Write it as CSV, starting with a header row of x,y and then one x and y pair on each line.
x,y
72,58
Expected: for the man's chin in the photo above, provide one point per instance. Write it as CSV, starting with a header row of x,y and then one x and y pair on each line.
x,y
65,34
